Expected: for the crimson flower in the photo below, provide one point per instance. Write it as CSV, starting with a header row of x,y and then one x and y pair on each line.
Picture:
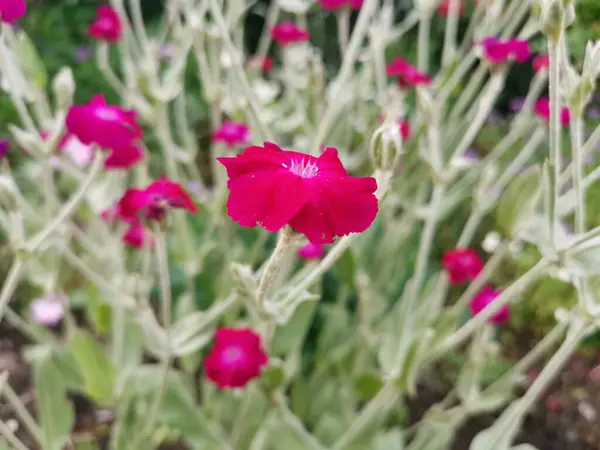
x,y
124,158
315,196
332,5
108,126
499,50
462,264
236,358
232,133
12,10
137,236
151,202
541,62
265,64
311,251
286,33
107,26
444,8
408,74
542,110
4,144
484,298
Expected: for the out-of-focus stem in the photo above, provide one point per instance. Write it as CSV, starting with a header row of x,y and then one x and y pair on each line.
x,y
343,28
423,42
286,238
555,153
576,148
450,32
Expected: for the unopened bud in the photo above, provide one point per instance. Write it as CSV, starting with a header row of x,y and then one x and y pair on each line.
x,y
580,96
63,87
591,62
30,60
552,20
386,146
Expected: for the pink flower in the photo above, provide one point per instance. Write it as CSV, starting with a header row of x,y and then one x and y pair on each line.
x,y
444,8
265,65
137,236
108,126
236,358
151,202
107,26
315,196
232,133
540,62
405,131
124,158
4,144
408,74
79,153
311,251
286,33
462,264
484,298
12,10
49,309
498,50
333,5
355,4
542,110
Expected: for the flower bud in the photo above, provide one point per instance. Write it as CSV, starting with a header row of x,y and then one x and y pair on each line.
x,y
580,96
386,146
591,62
63,87
552,20
30,60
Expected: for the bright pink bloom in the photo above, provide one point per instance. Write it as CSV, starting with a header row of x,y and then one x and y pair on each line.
x,y
108,126
408,74
286,33
541,62
151,202
236,358
542,110
333,5
484,298
356,4
232,133
311,251
444,8
405,130
315,196
12,10
124,158
462,264
137,236
265,65
107,26
498,50
4,144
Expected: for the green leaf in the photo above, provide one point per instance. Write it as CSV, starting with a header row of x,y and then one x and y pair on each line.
x,y
95,366
55,411
391,440
368,384
273,377
292,335
520,200
345,268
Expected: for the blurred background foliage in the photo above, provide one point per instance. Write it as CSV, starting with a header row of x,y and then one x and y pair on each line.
x,y
59,30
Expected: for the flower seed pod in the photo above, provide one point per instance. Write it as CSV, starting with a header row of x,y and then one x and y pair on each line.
x,y
386,146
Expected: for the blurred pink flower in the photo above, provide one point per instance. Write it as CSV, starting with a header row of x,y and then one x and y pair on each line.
x,y
4,144
311,251
462,264
444,8
484,298
498,50
408,75
542,110
288,32
12,10
49,309
265,65
540,62
232,133
332,5
107,25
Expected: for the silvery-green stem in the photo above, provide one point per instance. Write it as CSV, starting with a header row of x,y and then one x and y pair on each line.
x,y
588,148
294,423
21,412
68,208
505,297
470,228
423,42
538,84
286,239
409,21
265,38
450,32
555,153
10,283
343,27
466,97
103,60
576,148
138,23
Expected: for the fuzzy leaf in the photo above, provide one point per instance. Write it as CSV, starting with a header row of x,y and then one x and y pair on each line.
x,y
391,440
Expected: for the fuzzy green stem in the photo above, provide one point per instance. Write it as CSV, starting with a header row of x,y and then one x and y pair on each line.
x,y
555,152
286,238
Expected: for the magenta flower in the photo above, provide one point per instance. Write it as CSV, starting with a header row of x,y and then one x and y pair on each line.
x,y
462,264
311,251
540,62
265,64
444,8
232,133
405,130
137,236
315,196
236,358
286,33
48,310
108,126
12,10
107,26
79,153
484,298
151,202
542,110
4,144
408,75
124,158
333,5
497,50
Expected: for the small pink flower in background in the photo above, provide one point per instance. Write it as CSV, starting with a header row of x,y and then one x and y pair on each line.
x,y
137,236
405,130
107,25
540,62
12,10
49,309
444,8
484,298
333,5
542,110
82,54
4,144
79,153
408,75
498,50
108,126
236,358
286,33
462,264
272,187
232,133
265,65
151,202
311,251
